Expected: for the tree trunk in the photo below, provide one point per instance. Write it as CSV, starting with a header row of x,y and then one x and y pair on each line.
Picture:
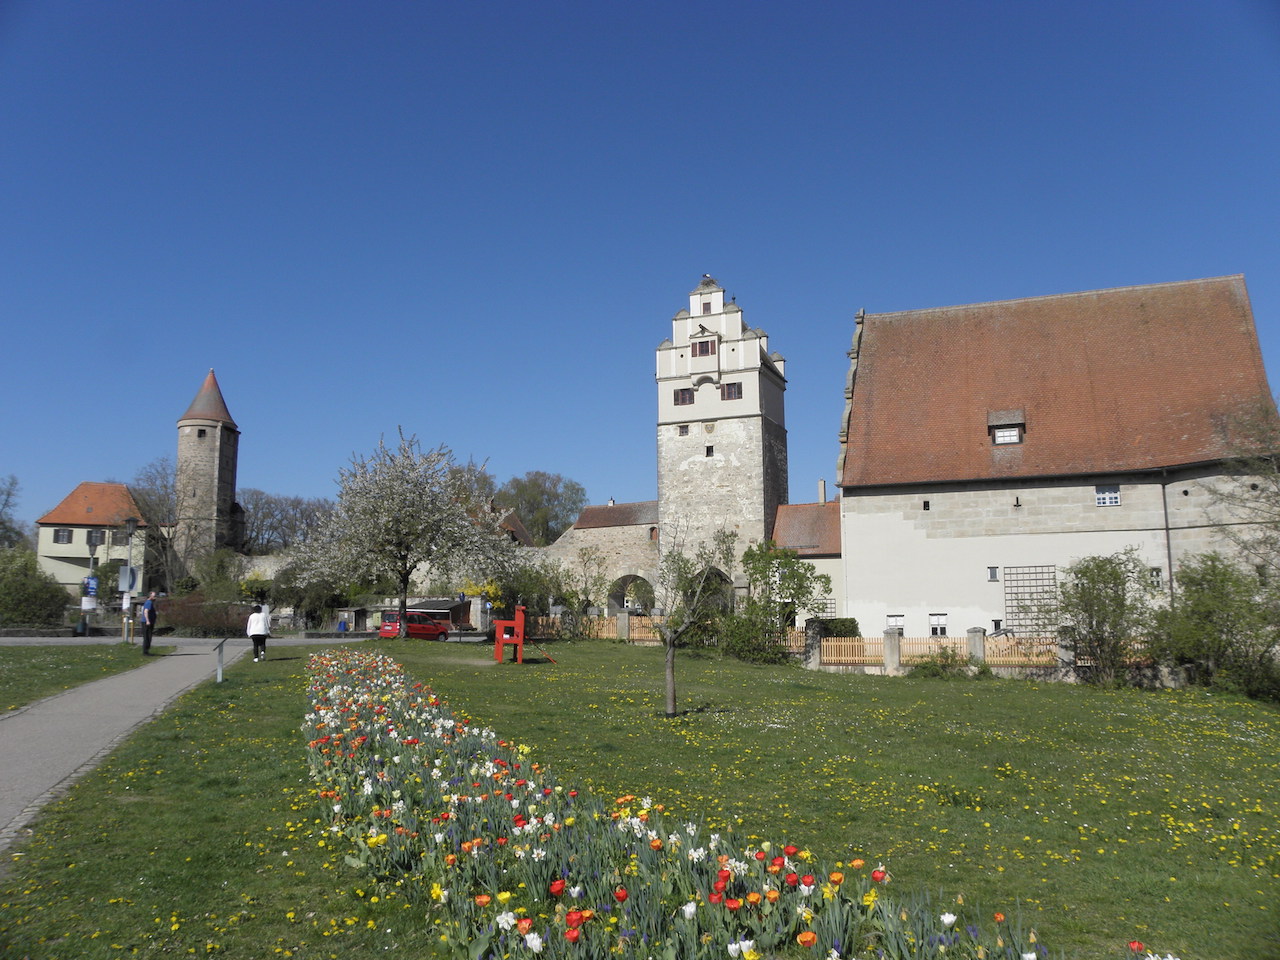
x,y
671,677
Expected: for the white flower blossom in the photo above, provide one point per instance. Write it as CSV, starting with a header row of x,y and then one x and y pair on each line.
x,y
947,919
505,920
689,909
533,941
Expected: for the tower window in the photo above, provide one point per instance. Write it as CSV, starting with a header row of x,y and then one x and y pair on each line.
x,y
706,306
711,451
731,391
653,533
684,396
703,348
993,574
201,432
683,429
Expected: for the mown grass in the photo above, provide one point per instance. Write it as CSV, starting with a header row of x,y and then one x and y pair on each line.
x,y
1101,816
31,673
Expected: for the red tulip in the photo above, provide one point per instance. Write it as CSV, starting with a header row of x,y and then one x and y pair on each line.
x,y
557,887
715,898
760,854
878,875
790,851
620,894
732,904
791,879
524,925
574,919
1136,945
572,934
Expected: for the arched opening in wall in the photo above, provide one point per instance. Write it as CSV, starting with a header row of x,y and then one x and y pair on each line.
x,y
631,593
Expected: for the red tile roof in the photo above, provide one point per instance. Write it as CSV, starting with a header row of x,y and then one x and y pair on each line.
x,y
208,404
810,529
1134,378
618,515
94,504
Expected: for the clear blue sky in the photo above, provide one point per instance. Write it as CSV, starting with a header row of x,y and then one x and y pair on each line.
x,y
476,220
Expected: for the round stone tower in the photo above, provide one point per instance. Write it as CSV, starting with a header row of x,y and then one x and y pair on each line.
x,y
208,440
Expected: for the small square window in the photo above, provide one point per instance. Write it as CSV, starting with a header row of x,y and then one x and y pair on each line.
x,y
706,306
711,451
1004,435
683,430
731,391
993,574
95,538
703,348
62,535
684,396
1107,495
200,432
924,505
937,624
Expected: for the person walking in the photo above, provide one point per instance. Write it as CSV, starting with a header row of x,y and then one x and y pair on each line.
x,y
148,623
258,629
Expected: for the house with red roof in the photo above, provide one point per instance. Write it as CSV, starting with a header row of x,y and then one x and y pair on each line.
x,y
984,447
88,528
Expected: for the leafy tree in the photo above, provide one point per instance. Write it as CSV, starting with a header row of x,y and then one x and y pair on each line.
x,y
400,509
1106,605
476,477
28,595
547,503
692,589
11,532
780,584
1222,626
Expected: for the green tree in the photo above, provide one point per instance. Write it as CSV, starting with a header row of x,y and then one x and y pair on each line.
x,y
547,503
398,510
28,595
1106,605
779,584
1222,626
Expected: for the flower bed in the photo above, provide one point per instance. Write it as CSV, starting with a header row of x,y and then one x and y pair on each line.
x,y
507,861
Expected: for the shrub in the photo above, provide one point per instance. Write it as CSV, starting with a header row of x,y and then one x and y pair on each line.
x,y
194,616
744,637
28,595
947,664
840,627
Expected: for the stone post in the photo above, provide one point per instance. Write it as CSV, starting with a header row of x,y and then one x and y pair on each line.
x,y
624,625
893,651
813,644
977,644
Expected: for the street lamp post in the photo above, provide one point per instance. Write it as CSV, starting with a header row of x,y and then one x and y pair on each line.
x,y
90,584
126,607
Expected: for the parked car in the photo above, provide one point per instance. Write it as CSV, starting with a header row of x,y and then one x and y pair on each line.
x,y
418,626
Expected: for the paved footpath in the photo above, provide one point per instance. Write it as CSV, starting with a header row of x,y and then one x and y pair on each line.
x,y
46,746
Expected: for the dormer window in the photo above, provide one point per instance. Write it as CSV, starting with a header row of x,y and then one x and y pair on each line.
x,y
706,306
1006,427
704,348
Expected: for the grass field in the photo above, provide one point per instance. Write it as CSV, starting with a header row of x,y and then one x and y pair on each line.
x,y
32,673
1100,816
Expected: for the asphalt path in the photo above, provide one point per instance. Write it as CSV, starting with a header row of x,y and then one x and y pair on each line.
x,y
46,746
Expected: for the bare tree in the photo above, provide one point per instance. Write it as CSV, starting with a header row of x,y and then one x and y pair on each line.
x,y
691,588
273,522
11,532
400,509
155,491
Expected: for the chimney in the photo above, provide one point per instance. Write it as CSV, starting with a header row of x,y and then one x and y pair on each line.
x,y
822,490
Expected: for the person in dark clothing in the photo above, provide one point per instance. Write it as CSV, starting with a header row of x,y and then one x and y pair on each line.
x,y
148,623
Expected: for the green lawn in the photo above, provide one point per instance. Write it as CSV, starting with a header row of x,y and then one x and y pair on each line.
x,y
28,674
1100,816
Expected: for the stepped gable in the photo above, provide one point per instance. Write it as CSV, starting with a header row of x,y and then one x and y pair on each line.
x,y
1128,379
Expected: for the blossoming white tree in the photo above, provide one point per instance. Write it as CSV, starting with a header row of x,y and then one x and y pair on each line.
x,y
400,509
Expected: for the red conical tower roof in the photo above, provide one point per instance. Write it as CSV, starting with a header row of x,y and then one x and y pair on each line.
x,y
208,404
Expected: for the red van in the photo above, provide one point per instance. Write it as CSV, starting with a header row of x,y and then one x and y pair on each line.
x,y
418,626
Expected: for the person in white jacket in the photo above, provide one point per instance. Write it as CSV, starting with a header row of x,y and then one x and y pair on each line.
x,y
258,629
